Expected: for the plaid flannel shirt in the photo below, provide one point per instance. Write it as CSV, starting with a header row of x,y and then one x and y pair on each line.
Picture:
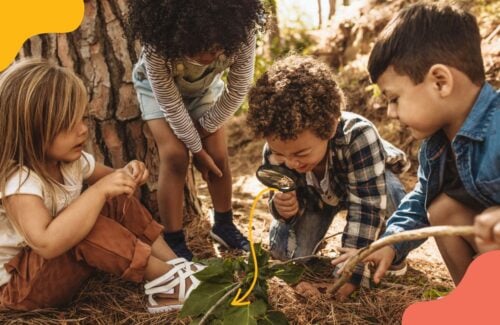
x,y
357,160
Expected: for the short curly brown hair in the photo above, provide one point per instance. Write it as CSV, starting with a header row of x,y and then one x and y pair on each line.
x,y
296,94
179,28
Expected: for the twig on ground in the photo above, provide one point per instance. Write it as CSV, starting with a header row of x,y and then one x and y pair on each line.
x,y
299,259
436,231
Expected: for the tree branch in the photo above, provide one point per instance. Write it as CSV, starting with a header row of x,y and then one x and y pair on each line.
x,y
436,231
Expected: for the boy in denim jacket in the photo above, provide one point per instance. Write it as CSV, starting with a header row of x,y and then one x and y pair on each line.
x,y
428,64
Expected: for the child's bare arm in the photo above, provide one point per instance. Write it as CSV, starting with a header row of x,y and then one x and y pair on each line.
x,y
100,171
51,237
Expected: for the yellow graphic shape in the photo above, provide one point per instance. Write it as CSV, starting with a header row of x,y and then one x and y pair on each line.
x,y
22,19
240,301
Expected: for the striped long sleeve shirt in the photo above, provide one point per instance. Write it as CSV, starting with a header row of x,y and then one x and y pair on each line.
x,y
170,99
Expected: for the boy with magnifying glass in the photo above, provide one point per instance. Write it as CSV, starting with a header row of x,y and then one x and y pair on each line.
x,y
297,107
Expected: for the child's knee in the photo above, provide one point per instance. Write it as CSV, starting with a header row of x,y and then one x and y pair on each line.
x,y
222,162
175,160
445,210
220,158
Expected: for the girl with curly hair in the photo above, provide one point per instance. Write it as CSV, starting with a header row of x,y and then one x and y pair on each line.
x,y
187,46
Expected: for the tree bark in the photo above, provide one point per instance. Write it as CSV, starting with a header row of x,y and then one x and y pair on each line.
x,y
101,53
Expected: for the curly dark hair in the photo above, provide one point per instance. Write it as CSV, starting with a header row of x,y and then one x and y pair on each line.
x,y
296,94
178,28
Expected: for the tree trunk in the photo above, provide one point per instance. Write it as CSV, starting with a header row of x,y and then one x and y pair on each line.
x,y
320,15
333,8
102,55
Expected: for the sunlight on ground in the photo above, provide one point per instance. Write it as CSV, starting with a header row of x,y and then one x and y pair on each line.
x,y
247,185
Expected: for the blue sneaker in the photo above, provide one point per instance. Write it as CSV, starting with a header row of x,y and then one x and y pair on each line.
x,y
226,234
178,245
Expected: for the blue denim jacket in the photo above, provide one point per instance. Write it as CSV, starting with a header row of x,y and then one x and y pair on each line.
x,y
477,151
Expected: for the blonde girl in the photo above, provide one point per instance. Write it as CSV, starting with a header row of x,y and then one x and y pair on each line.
x,y
53,236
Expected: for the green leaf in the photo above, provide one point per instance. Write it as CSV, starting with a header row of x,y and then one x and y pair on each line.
x,y
290,273
262,257
258,308
204,297
434,293
260,290
274,318
245,315
210,321
217,272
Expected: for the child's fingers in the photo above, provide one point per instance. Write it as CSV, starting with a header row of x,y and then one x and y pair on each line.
x,y
145,175
345,291
486,225
342,258
212,167
285,202
496,233
216,171
286,209
133,167
285,199
382,267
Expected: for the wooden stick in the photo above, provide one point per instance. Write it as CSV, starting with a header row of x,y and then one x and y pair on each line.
x,y
435,231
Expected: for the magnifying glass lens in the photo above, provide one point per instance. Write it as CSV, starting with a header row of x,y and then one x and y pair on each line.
x,y
276,179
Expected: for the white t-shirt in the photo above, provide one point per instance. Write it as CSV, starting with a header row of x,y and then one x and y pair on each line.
x,y
27,182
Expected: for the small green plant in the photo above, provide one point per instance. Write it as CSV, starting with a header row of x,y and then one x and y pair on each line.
x,y
433,293
210,302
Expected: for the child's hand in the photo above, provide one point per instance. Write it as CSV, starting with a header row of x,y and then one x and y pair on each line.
x,y
286,204
345,291
346,254
205,164
117,183
487,229
382,259
138,171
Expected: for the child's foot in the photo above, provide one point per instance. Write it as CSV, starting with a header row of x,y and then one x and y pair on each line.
x,y
177,243
226,234
169,291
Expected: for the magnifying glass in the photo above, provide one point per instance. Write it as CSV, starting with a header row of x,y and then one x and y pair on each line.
x,y
278,177
287,180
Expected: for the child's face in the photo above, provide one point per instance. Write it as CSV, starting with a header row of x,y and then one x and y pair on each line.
x,y
416,106
301,154
68,145
207,57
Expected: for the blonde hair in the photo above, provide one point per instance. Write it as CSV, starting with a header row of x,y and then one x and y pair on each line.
x,y
38,100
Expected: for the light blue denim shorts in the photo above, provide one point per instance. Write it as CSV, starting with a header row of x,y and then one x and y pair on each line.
x,y
196,106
